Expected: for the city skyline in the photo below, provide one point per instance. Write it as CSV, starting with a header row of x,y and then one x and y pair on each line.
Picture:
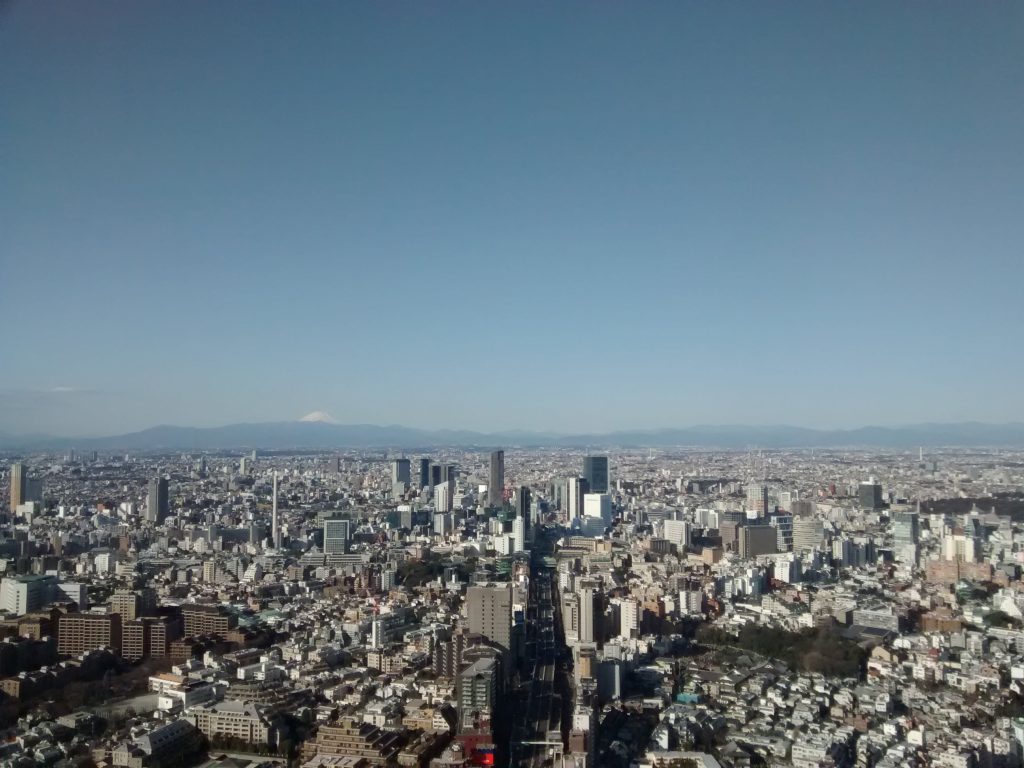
x,y
798,213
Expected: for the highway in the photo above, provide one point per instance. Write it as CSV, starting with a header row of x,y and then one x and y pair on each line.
x,y
530,746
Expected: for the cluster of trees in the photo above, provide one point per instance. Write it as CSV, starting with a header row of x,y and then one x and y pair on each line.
x,y
416,573
1011,504
820,650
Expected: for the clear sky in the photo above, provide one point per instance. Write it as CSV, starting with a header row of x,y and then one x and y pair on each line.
x,y
563,216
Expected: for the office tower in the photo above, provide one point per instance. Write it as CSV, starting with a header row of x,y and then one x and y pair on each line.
x,y
523,508
275,530
758,540
595,472
17,485
678,532
598,505
401,471
24,594
157,502
869,494
424,473
243,466
757,499
906,529
489,613
783,524
808,533
496,486
336,537
575,489
443,523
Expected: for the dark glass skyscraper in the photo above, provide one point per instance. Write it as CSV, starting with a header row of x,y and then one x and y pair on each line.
x,y
595,470
496,486
157,501
424,473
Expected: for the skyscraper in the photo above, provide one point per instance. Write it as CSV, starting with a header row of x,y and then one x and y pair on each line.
x,y
523,508
575,489
336,536
424,472
275,529
598,505
595,471
757,499
401,471
869,494
17,485
496,487
157,502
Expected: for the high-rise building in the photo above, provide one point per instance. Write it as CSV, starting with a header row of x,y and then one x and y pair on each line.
x,y
524,509
24,594
336,537
595,472
755,540
575,489
424,472
906,529
519,533
757,499
869,494
444,496
629,618
489,613
275,528
808,533
678,532
587,617
598,505
18,478
496,486
478,690
157,500
401,471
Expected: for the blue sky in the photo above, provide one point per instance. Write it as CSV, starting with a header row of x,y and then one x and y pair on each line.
x,y
565,216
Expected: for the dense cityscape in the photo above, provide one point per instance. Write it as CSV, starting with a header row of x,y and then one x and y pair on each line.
x,y
460,384
514,607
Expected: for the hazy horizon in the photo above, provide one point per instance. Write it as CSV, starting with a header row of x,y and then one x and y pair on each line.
x,y
558,218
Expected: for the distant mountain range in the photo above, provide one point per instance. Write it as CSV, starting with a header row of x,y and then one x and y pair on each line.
x,y
323,435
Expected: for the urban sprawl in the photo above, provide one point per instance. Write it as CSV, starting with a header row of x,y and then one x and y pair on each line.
x,y
444,608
